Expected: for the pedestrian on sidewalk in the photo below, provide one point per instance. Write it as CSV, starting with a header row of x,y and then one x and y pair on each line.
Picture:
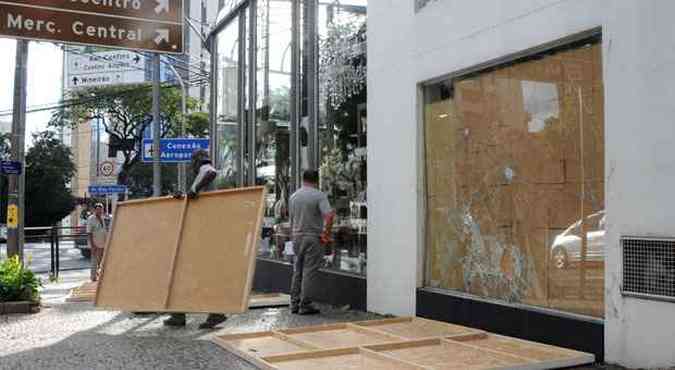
x,y
97,235
204,173
311,219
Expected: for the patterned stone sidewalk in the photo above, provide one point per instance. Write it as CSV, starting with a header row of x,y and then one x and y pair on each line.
x,y
77,336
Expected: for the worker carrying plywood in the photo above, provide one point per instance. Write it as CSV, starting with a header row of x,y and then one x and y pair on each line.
x,y
205,173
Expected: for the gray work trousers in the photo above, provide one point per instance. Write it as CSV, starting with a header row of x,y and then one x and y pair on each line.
x,y
308,260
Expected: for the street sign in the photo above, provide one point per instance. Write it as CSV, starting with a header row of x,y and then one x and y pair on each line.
x,y
107,189
114,67
11,167
12,216
174,150
153,25
107,168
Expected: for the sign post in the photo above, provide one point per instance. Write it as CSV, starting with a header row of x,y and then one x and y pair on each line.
x,y
152,25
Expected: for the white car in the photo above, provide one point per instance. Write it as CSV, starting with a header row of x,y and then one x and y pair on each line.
x,y
566,248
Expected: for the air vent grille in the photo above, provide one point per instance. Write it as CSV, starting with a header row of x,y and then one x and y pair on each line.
x,y
648,268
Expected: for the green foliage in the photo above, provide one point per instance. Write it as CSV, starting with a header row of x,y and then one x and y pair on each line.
x,y
18,283
126,112
140,180
49,168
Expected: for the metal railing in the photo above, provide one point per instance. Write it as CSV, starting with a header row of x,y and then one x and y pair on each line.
x,y
55,235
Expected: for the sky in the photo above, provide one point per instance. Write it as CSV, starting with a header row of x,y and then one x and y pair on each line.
x,y
45,70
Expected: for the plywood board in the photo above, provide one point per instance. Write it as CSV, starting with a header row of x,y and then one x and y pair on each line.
x,y
84,293
346,359
445,355
355,346
418,328
553,357
339,336
269,300
166,256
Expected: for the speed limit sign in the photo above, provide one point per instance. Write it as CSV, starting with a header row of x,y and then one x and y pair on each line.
x,y
107,168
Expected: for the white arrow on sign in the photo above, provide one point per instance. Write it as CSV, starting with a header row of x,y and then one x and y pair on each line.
x,y
163,6
162,35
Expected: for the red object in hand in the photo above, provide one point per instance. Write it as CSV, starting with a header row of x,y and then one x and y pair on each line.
x,y
325,239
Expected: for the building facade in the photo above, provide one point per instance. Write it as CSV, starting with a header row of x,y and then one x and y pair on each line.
x,y
518,160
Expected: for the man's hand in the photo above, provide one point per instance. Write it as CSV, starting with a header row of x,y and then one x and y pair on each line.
x,y
192,195
325,239
178,195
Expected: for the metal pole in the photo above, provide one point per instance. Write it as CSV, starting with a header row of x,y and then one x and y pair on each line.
x,y
156,165
252,85
241,99
213,109
296,95
312,82
15,235
98,149
181,166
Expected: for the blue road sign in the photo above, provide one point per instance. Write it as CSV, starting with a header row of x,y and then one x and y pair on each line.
x,y
11,167
174,150
107,189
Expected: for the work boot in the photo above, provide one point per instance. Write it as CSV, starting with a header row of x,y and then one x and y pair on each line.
x,y
212,320
308,310
176,319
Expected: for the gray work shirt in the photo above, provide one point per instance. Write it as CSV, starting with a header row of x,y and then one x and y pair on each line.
x,y
308,206
204,170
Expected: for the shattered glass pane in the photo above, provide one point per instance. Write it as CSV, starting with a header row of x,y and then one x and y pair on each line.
x,y
515,182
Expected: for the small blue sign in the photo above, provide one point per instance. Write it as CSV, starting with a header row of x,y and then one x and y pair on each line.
x,y
107,189
174,150
11,167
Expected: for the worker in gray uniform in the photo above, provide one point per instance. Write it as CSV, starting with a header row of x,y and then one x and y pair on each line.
x,y
204,173
311,219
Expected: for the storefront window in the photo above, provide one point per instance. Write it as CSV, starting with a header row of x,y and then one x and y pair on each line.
x,y
515,182
227,124
343,128
256,134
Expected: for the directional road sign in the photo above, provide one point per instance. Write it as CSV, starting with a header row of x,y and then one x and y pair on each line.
x,y
11,167
153,25
112,67
107,189
174,150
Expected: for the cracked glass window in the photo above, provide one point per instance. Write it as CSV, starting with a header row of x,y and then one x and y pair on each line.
x,y
515,182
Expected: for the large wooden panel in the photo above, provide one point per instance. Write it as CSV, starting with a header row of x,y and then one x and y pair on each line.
x,y
168,255
217,252
385,344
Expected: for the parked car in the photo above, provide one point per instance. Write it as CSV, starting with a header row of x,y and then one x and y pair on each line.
x,y
566,248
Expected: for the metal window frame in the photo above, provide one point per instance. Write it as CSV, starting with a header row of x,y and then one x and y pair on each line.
x,y
248,70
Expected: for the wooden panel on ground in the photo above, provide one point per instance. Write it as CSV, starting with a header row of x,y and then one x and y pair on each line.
x,y
344,359
385,344
265,300
159,260
87,293
84,293
553,357
444,355
339,336
418,328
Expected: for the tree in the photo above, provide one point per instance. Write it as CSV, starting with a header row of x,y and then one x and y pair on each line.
x,y
125,113
49,169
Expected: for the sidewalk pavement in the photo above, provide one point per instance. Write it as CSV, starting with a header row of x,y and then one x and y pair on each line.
x,y
77,336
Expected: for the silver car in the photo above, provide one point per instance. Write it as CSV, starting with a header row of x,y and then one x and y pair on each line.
x,y
566,248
